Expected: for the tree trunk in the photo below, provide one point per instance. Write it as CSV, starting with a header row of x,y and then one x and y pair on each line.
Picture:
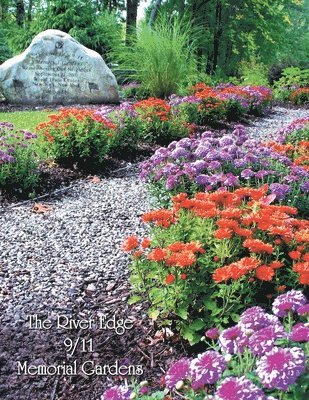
x,y
29,14
154,12
20,12
217,35
131,19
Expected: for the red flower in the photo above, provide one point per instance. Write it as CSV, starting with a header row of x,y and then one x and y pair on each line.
x,y
130,243
295,255
169,279
264,273
183,277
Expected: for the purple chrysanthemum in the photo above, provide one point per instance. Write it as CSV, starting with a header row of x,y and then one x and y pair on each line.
x,y
303,310
280,368
233,388
280,190
233,340
289,301
255,318
207,368
300,333
212,333
177,372
117,393
263,340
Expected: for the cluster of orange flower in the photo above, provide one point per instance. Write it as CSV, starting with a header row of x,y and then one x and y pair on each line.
x,y
154,107
245,213
299,154
63,120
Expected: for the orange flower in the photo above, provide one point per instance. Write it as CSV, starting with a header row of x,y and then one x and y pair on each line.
x,y
162,217
295,255
306,257
137,254
281,288
304,279
146,243
169,279
130,244
223,233
157,255
264,273
276,264
258,246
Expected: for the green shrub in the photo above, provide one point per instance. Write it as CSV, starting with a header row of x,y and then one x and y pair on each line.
x,y
18,160
291,79
5,51
253,73
161,57
77,135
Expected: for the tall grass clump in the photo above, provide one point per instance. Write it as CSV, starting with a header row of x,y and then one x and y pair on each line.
x,y
161,57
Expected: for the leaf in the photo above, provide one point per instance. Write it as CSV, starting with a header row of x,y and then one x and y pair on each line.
x,y
182,312
210,304
153,314
40,208
134,299
197,325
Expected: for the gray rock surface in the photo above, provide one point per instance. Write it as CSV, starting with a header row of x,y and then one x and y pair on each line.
x,y
56,69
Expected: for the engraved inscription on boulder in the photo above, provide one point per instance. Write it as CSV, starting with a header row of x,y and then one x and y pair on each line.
x,y
56,69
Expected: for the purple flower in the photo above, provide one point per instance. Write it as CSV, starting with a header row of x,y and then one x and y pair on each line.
x,y
263,340
233,340
281,367
177,372
280,190
241,388
303,310
179,152
202,180
289,301
117,393
212,333
305,187
255,318
300,333
247,173
171,182
207,368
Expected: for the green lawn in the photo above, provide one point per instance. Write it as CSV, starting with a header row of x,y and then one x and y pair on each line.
x,y
25,119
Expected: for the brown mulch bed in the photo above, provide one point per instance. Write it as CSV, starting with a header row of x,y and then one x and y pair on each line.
x,y
142,345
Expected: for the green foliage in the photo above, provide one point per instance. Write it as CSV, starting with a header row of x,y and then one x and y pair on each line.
x,y
300,96
291,77
253,73
160,56
18,160
5,51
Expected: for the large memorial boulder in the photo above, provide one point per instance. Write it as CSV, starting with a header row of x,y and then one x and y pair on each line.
x,y
56,69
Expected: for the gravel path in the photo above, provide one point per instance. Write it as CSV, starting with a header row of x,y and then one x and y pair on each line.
x,y
265,127
46,259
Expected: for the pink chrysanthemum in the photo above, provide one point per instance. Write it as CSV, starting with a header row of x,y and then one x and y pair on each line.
x,y
281,367
300,333
177,372
233,388
290,301
207,368
263,340
303,310
233,340
255,318
117,393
